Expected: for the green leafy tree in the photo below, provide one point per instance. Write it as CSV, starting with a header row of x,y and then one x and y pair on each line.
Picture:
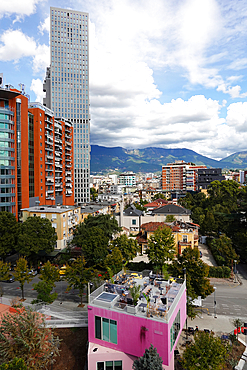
x,y
151,360
78,276
107,223
223,251
9,230
135,293
161,246
207,352
197,282
93,194
45,294
4,273
114,259
170,218
15,364
24,335
158,196
36,234
127,246
49,273
93,243
22,273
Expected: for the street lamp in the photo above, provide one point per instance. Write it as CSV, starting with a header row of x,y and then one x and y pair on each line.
x,y
215,315
88,290
235,280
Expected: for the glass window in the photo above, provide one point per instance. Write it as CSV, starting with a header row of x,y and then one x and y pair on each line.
x,y
105,326
113,331
97,327
109,365
100,365
174,331
106,329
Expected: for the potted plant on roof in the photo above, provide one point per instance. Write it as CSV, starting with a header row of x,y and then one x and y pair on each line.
x,y
135,294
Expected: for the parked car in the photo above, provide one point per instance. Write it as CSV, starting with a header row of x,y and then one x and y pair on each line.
x,y
62,270
33,272
11,279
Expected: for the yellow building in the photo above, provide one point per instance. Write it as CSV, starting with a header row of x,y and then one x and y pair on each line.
x,y
185,234
63,219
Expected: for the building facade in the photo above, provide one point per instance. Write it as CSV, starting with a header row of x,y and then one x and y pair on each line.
x,y
67,86
127,179
206,176
36,155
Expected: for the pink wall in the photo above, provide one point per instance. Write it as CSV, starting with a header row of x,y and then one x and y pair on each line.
x,y
131,338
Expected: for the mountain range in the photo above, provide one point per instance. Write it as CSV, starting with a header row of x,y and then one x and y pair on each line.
x,y
105,159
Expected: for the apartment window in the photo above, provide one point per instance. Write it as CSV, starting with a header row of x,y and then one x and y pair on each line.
x,y
133,222
43,215
185,238
174,331
106,329
109,365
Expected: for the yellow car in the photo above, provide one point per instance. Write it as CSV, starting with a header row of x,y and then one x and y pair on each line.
x,y
62,270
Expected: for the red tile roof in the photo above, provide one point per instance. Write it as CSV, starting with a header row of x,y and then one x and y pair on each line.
x,y
152,226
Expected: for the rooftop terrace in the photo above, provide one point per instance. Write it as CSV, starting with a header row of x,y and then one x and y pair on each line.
x,y
157,301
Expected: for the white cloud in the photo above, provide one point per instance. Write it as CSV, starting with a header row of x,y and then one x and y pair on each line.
x,y
45,26
234,92
37,88
19,7
14,45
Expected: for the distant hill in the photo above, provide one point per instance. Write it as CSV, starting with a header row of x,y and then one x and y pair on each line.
x,y
104,159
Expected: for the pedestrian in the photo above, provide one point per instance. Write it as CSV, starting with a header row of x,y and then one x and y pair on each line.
x,y
196,329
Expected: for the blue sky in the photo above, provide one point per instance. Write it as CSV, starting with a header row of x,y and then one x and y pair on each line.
x,y
163,73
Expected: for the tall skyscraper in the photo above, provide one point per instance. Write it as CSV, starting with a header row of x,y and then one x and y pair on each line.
x,y
67,86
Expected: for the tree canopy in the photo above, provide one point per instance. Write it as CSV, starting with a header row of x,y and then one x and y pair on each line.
x,y
127,246
9,230
36,234
151,360
207,352
161,246
24,335
107,223
15,364
22,273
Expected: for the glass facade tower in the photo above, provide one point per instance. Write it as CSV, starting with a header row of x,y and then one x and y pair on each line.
x,y
67,86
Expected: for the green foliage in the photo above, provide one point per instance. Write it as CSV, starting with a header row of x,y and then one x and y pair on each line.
x,y
15,364
93,194
107,223
223,251
197,271
4,270
114,259
238,323
139,266
93,243
22,273
170,218
127,246
49,273
78,275
45,294
207,352
158,196
219,272
135,293
36,234
149,361
161,246
24,335
9,230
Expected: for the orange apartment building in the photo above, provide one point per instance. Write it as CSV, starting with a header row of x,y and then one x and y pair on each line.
x,y
180,176
36,155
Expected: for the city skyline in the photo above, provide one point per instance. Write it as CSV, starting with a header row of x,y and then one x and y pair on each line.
x,y
169,74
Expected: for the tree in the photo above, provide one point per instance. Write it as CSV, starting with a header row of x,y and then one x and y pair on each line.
x,y
237,323
114,259
22,274
78,276
93,243
161,246
107,223
135,293
93,194
49,273
207,352
36,234
149,361
24,335
197,271
170,218
15,364
127,246
223,251
4,274
9,229
45,294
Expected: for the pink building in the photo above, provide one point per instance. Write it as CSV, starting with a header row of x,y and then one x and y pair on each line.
x,y
119,332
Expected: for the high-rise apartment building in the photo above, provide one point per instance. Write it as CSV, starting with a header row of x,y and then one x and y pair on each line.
x,y
36,155
67,86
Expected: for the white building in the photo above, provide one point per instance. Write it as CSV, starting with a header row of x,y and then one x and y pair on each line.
x,y
127,178
67,86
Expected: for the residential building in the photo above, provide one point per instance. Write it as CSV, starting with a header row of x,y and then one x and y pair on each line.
x,y
119,331
67,86
127,179
180,213
36,154
185,234
180,176
207,175
63,219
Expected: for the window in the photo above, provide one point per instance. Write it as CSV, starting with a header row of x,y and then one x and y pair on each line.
x,y
106,329
110,365
174,331
133,222
185,238
43,215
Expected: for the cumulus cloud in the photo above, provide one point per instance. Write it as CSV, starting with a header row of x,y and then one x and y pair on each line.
x,y
20,8
14,45
44,26
37,88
